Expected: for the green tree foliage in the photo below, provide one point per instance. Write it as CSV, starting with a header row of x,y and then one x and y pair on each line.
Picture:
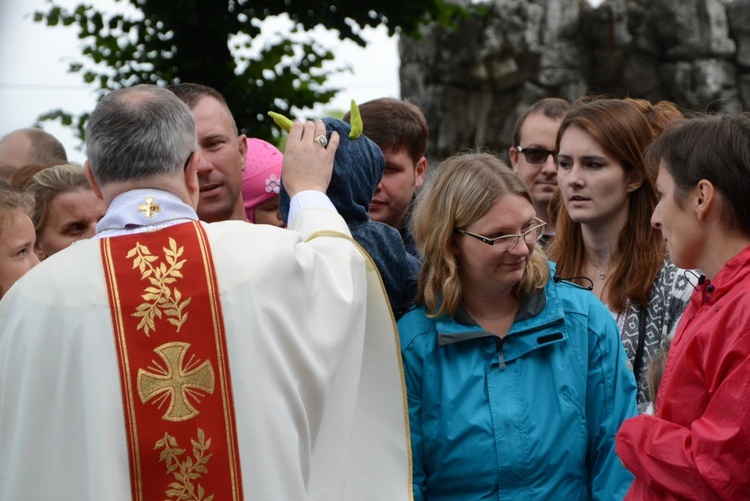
x,y
203,41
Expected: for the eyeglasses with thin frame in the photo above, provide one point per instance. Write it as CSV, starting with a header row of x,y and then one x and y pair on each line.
x,y
536,155
507,242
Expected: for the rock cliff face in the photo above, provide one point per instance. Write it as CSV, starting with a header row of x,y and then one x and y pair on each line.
x,y
473,81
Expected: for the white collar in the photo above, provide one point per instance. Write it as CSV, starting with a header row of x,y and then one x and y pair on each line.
x,y
143,210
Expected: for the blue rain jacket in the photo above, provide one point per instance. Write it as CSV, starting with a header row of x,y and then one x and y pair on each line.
x,y
528,417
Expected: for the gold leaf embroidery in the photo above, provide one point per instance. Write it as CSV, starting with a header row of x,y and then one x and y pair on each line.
x,y
187,471
159,298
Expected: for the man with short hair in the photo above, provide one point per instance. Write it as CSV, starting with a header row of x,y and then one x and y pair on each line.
x,y
30,146
400,130
167,358
533,154
222,150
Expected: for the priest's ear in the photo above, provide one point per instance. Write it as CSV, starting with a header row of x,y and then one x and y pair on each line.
x,y
191,175
92,181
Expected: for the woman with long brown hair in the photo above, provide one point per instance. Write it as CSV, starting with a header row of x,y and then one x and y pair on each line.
x,y
603,230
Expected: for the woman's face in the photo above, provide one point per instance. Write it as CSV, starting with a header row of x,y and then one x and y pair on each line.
x,y
486,268
16,249
593,183
71,216
679,227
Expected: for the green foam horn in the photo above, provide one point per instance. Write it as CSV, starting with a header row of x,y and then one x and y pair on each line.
x,y
356,121
283,121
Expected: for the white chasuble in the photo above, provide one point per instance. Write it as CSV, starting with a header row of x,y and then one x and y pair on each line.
x,y
313,353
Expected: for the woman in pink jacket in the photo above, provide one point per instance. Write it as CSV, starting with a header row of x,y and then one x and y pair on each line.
x,y
697,444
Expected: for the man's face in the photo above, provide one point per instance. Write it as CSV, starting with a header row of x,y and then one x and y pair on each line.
x,y
221,164
396,188
537,131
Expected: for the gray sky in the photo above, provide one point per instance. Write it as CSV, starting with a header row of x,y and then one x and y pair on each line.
x,y
34,60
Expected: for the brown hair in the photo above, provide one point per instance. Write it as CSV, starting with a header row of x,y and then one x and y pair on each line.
x,y
395,125
191,93
550,107
711,147
655,371
658,115
22,176
466,186
622,130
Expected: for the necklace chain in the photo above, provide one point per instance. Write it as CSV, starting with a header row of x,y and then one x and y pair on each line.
x,y
136,226
602,274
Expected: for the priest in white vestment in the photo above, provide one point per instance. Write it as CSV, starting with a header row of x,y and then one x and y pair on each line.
x,y
318,395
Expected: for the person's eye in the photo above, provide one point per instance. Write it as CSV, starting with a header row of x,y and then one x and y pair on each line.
x,y
594,165
75,229
564,163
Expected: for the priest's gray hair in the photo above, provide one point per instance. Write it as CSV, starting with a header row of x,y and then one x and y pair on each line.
x,y
139,132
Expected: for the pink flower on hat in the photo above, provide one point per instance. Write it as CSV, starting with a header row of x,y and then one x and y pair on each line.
x,y
273,184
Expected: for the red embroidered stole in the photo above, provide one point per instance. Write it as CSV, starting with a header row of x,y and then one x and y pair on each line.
x,y
174,369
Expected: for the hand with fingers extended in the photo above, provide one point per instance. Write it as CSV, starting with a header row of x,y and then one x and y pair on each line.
x,y
308,159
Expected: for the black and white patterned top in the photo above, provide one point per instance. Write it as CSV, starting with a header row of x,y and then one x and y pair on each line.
x,y
669,296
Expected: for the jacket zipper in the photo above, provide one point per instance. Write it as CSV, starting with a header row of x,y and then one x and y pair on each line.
x,y
500,358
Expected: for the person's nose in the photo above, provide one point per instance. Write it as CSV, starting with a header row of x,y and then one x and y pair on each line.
x,y
656,217
574,176
549,167
204,166
521,248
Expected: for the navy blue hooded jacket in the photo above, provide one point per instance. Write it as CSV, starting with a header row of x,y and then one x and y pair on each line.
x,y
357,170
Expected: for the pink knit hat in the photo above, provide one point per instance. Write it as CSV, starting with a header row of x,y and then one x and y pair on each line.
x,y
262,177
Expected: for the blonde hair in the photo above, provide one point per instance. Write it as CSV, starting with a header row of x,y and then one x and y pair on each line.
x,y
464,189
48,183
12,201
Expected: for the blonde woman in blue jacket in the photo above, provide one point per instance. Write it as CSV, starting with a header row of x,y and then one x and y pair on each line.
x,y
517,380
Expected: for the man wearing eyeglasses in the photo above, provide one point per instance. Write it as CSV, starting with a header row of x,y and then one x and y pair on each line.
x,y
533,154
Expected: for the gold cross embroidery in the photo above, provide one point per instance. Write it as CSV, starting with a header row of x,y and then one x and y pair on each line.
x,y
149,207
176,382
